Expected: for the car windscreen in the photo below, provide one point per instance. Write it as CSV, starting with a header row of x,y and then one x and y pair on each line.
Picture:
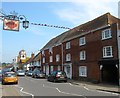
x,y
61,73
10,75
21,71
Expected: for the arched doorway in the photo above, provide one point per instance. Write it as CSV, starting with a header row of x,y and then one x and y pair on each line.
x,y
109,74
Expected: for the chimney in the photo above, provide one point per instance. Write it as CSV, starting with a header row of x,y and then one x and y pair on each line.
x,y
32,55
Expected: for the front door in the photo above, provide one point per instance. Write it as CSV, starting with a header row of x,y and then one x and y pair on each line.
x,y
68,71
47,70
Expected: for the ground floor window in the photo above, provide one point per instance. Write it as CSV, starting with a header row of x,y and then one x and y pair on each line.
x,y
43,68
51,68
83,71
59,68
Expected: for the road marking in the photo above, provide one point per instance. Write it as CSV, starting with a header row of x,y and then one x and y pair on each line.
x,y
93,90
79,86
63,92
21,90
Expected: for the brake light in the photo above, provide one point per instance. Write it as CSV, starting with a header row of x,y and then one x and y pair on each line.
x,y
57,75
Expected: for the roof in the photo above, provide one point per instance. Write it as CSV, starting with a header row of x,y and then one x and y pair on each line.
x,y
37,57
82,29
98,22
55,41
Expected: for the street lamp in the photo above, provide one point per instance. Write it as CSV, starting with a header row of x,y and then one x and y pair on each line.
x,y
25,23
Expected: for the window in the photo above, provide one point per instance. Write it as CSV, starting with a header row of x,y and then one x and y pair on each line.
x,y
51,58
106,34
58,67
51,68
43,59
82,55
68,45
82,41
50,49
83,71
57,58
107,51
44,69
43,52
68,57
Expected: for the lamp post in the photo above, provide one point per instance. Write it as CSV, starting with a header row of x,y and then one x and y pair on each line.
x,y
25,23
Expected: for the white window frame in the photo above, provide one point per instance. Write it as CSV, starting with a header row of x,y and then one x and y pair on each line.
x,y
43,59
83,55
50,49
59,67
57,58
68,57
43,52
105,51
68,45
51,68
83,71
106,34
82,41
51,58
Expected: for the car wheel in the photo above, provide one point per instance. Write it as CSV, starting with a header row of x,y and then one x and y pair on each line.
x,y
65,81
16,82
3,83
54,80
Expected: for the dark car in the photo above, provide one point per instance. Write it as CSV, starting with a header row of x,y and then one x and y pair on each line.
x,y
56,76
29,73
38,74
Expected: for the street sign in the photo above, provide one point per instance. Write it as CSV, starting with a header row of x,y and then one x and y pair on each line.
x,y
12,25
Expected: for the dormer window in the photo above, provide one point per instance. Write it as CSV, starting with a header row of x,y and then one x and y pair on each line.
x,y
50,49
68,45
43,52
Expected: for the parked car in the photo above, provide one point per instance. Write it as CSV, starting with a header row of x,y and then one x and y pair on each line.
x,y
56,76
10,77
21,73
38,74
29,73
5,70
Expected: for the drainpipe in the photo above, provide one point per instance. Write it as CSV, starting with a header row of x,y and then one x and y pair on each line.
x,y
62,56
118,40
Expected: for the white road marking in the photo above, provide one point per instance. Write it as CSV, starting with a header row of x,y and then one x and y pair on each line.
x,y
21,90
93,90
63,92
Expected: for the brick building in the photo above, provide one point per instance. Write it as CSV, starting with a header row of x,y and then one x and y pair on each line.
x,y
88,52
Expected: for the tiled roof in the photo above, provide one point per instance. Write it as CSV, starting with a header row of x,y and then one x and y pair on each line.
x,y
55,41
91,25
37,57
82,29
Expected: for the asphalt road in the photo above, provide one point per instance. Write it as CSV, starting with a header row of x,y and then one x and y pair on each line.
x,y
28,86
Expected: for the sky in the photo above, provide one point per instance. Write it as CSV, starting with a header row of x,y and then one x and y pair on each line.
x,y
69,13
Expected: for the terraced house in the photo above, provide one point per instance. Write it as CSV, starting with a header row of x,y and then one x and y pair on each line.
x,y
88,52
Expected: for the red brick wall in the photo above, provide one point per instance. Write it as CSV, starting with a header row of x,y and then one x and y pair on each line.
x,y
94,53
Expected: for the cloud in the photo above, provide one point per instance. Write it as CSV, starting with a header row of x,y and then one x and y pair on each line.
x,y
82,11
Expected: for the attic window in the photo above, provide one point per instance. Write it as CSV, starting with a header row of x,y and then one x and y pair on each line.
x,y
43,52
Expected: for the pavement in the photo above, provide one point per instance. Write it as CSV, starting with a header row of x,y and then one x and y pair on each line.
x,y
6,90
100,86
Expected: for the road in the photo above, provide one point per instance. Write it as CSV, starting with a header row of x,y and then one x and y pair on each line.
x,y
28,86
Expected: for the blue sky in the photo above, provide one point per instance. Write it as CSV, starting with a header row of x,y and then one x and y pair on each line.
x,y
67,14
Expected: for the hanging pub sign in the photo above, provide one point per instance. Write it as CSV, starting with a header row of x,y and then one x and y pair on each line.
x,y
12,25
